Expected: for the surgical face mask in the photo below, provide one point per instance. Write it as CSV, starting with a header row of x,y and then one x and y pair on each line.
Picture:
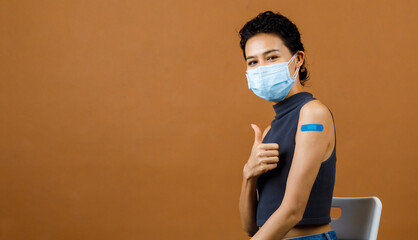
x,y
272,82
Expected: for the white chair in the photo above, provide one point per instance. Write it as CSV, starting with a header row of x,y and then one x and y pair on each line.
x,y
359,219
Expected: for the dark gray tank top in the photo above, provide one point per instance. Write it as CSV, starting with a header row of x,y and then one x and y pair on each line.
x,y
271,185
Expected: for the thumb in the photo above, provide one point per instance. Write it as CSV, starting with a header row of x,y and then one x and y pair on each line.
x,y
257,136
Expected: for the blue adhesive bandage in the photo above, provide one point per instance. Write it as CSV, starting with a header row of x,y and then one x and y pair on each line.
x,y
312,127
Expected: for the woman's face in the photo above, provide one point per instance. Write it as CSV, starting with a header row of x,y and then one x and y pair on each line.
x,y
265,49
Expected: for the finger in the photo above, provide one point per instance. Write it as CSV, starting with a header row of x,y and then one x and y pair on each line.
x,y
271,166
269,160
268,146
270,153
257,134
268,167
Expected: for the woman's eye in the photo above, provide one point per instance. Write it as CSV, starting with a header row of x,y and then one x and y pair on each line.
x,y
252,63
271,57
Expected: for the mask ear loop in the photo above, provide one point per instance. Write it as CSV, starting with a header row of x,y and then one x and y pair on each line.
x,y
295,74
297,70
291,60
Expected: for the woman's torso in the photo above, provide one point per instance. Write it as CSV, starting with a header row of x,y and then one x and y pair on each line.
x,y
298,231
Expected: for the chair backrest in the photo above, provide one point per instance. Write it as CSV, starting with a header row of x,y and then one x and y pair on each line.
x,y
359,219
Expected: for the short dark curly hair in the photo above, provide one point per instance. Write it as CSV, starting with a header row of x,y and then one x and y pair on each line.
x,y
276,23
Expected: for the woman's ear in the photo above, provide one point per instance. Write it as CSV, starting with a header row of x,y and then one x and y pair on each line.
x,y
299,59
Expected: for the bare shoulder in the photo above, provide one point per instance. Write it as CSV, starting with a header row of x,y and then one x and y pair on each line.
x,y
315,110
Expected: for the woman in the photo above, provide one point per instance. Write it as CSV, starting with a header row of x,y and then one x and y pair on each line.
x,y
288,180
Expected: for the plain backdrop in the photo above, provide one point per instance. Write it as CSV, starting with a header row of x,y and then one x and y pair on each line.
x,y
130,119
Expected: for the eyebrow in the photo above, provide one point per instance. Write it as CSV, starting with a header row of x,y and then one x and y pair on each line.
x,y
264,53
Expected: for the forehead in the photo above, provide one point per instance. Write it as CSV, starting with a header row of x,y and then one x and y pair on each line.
x,y
262,42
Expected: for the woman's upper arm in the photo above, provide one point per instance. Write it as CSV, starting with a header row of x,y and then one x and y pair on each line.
x,y
310,148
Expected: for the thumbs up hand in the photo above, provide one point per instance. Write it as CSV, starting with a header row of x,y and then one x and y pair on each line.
x,y
264,156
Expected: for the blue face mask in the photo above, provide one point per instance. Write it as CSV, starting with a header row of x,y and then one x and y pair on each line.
x,y
272,82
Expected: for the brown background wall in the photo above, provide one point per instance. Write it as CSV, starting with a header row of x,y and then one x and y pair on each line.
x,y
131,119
